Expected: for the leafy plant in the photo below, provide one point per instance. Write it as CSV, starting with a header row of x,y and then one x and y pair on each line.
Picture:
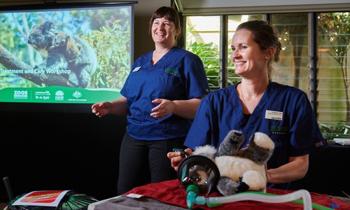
x,y
339,130
209,54
114,62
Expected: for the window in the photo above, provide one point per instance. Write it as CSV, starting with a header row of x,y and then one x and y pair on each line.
x,y
334,67
292,68
204,37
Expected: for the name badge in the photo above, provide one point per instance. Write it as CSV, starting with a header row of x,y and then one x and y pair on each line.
x,y
273,115
136,69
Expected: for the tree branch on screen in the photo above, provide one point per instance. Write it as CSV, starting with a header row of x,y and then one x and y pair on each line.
x,y
13,65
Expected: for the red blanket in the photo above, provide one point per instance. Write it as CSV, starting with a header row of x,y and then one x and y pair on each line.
x,y
172,192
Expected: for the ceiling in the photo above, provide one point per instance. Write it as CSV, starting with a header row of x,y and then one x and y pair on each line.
x,y
190,7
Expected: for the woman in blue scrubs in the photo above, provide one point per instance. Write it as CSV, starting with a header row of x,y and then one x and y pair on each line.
x,y
160,98
256,104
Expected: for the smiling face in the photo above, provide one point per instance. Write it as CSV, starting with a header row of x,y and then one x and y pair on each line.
x,y
249,59
163,32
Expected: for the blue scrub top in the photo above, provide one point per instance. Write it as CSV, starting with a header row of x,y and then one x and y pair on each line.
x,y
284,113
178,75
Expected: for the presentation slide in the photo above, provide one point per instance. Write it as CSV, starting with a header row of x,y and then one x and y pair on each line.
x,y
72,55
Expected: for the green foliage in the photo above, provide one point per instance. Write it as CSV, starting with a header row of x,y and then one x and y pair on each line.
x,y
209,54
12,39
339,130
112,49
334,28
232,77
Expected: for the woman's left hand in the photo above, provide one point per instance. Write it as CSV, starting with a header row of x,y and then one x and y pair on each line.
x,y
163,108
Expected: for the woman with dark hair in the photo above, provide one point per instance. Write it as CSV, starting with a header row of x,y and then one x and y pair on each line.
x,y
256,104
160,98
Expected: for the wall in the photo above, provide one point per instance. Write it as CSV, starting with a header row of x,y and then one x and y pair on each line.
x,y
79,151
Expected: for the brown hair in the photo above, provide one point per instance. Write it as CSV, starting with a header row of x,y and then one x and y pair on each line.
x,y
264,35
168,13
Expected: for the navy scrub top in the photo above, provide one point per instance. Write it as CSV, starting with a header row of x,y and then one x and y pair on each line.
x,y
178,75
284,114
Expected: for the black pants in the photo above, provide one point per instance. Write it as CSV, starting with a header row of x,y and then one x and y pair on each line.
x,y
142,162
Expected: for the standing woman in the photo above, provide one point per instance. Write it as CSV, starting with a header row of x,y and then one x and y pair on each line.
x,y
160,97
256,104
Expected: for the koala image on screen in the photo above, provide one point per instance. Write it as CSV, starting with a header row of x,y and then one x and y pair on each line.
x,y
64,54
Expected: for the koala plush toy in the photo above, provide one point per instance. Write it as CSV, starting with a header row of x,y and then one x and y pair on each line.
x,y
240,169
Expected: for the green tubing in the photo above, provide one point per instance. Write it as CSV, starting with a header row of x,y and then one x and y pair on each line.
x,y
215,201
314,205
300,201
192,192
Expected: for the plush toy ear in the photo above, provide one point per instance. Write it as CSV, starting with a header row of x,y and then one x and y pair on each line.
x,y
260,148
231,144
263,140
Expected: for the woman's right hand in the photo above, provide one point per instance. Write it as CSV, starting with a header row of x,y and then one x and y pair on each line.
x,y
177,157
101,109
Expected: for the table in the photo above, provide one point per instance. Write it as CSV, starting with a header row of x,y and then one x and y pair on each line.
x,y
172,195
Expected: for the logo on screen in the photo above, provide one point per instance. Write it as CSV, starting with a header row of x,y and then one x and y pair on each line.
x,y
42,95
20,94
77,94
59,95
